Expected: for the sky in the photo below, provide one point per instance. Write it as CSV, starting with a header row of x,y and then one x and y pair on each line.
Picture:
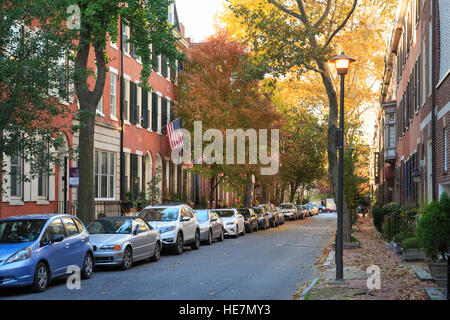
x,y
198,17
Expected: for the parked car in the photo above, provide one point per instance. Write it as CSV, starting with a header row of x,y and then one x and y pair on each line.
x,y
273,216
233,221
280,215
289,210
313,209
177,224
34,249
211,226
250,219
121,241
300,211
263,218
321,209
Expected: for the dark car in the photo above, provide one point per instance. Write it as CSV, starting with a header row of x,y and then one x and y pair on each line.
x,y
274,218
263,218
250,219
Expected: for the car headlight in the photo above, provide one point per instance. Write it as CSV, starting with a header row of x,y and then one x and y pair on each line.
x,y
114,247
20,255
166,229
230,223
203,228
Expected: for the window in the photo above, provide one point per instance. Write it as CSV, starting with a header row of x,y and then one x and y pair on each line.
x,y
127,172
391,136
100,106
16,176
125,37
113,95
164,70
79,225
126,100
133,103
424,71
54,228
143,227
430,57
104,163
155,104
134,177
43,184
70,226
445,150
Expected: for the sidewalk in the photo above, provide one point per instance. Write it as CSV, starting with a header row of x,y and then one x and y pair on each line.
x,y
398,280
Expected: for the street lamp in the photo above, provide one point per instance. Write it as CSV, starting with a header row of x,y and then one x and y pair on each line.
x,y
342,63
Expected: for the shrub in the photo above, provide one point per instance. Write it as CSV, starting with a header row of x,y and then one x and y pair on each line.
x,y
411,243
433,230
399,237
378,214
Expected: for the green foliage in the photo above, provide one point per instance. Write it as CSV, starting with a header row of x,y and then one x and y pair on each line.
x,y
433,230
411,243
399,237
154,192
32,78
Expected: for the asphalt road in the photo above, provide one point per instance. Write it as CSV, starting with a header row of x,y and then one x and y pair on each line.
x,y
270,264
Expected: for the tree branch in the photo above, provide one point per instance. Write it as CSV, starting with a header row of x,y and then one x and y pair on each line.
x,y
342,25
303,17
285,10
324,16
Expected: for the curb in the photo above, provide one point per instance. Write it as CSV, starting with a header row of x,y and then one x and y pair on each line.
x,y
308,289
329,259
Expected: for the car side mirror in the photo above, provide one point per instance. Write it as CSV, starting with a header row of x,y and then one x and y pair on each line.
x,y
185,219
57,238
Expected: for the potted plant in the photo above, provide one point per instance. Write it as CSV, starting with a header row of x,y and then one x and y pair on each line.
x,y
412,250
433,231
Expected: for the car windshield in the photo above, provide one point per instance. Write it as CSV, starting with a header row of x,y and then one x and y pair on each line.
x,y
258,210
225,213
244,212
120,226
160,214
286,206
21,230
202,215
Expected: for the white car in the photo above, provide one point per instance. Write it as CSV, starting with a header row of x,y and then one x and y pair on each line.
x,y
177,224
289,210
233,221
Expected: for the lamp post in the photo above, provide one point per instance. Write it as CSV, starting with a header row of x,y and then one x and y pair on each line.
x,y
342,63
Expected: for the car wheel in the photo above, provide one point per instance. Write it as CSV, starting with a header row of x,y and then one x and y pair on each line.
x,y
127,259
210,238
196,244
222,236
88,266
157,254
178,249
41,277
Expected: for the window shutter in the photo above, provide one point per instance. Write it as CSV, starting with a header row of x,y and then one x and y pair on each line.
x,y
134,174
154,111
133,103
144,102
164,114
163,66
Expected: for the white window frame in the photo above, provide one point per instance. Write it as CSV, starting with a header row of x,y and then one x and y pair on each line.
x,y
113,95
19,182
98,174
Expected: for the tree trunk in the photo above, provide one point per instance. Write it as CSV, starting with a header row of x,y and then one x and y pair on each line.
x,y
88,101
294,188
248,192
331,144
211,192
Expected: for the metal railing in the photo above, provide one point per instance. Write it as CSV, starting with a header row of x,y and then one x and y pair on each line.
x,y
400,222
67,207
108,208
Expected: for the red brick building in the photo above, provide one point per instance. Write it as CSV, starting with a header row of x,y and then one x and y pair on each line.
x,y
415,104
130,142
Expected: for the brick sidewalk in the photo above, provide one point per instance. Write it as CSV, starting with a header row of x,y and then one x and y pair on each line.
x,y
398,281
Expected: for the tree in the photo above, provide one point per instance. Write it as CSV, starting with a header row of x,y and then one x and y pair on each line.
x,y
217,90
298,37
33,80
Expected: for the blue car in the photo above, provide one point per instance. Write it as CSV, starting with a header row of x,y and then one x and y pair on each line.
x,y
36,248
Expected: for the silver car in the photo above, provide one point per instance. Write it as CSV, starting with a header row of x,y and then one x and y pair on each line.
x,y
120,241
211,226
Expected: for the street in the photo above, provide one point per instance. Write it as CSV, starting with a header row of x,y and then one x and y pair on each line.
x,y
270,264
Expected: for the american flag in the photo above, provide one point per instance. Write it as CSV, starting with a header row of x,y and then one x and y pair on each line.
x,y
175,134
